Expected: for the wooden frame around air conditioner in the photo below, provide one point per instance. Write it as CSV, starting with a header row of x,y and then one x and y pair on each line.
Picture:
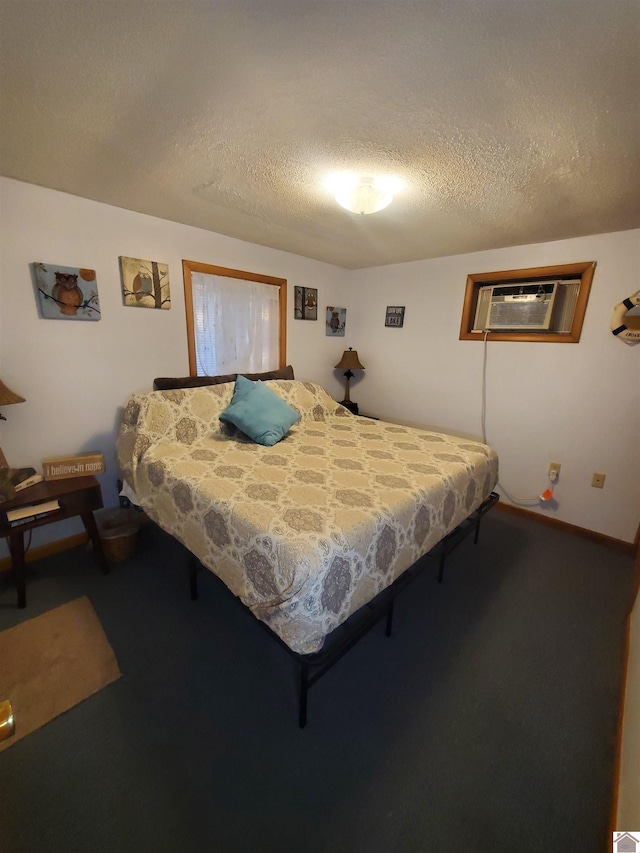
x,y
584,271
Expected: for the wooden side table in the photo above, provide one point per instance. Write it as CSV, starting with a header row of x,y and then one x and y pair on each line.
x,y
76,496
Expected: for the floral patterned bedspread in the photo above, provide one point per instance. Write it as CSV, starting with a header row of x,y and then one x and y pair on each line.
x,y
309,530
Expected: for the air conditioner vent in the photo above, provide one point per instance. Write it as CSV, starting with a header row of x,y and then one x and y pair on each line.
x,y
529,305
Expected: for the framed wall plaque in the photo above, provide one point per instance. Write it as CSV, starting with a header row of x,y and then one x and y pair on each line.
x,y
394,316
305,303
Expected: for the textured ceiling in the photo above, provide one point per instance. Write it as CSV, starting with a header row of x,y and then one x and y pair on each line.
x,y
510,121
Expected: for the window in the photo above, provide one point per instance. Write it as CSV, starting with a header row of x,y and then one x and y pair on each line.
x,y
236,321
545,304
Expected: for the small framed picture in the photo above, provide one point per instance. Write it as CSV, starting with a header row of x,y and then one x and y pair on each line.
x,y
336,321
394,316
66,293
305,303
145,284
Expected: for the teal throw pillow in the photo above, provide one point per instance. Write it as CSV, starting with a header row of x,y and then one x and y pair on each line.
x,y
259,413
242,389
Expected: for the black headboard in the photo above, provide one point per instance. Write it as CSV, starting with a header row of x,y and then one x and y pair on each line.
x,y
164,383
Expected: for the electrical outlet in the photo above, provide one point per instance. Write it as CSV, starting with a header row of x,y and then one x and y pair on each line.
x,y
554,470
597,481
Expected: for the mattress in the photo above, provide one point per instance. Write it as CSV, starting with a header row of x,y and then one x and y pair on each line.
x,y
307,531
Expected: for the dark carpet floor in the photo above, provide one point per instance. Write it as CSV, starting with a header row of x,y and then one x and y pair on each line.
x,y
487,722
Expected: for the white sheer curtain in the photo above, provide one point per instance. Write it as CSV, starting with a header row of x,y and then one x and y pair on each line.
x,y
236,325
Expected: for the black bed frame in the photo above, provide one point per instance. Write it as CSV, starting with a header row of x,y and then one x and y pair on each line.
x,y
312,667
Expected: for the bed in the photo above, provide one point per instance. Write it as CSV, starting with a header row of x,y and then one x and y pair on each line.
x,y
310,530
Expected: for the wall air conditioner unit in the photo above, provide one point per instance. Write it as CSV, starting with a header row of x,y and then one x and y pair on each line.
x,y
526,305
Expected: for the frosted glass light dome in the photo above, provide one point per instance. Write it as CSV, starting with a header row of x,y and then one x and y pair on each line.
x,y
363,195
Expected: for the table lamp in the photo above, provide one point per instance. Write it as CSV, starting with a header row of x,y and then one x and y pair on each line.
x,y
7,398
349,362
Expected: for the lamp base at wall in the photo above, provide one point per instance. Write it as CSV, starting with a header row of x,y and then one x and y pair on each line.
x,y
353,407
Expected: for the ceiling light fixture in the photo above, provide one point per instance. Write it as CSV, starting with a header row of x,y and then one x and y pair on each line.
x,y
363,195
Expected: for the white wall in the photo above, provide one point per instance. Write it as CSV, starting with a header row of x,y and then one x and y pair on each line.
x,y
76,375
577,404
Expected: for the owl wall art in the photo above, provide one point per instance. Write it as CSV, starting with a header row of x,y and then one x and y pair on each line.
x,y
66,293
336,321
145,284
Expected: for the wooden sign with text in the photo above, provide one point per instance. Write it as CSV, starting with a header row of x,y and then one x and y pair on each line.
x,y
81,465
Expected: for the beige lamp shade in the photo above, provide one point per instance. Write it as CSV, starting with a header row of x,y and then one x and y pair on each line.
x,y
350,361
8,397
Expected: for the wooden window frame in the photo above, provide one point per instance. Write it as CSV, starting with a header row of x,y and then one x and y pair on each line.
x,y
189,267
584,271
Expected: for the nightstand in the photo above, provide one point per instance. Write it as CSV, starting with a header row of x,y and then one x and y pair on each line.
x,y
76,496
348,404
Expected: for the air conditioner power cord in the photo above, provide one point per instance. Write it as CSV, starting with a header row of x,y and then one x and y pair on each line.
x,y
544,496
